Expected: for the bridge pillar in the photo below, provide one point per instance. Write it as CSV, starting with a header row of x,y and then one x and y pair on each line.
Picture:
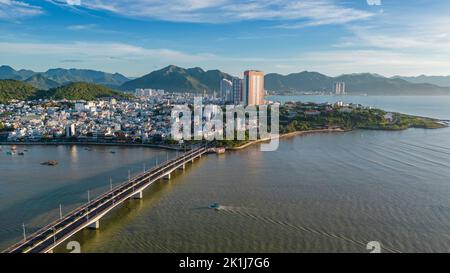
x,y
138,195
182,167
167,177
94,225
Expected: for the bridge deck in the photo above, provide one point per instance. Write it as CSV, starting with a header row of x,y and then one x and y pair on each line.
x,y
49,237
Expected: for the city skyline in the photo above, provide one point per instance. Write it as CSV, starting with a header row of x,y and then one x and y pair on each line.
x,y
328,36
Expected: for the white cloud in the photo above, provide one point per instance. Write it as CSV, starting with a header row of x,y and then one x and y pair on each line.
x,y
87,49
312,12
13,10
82,27
74,2
383,62
374,2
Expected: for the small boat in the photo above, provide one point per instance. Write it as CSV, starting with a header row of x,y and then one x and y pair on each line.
x,y
50,163
215,206
10,153
113,152
21,153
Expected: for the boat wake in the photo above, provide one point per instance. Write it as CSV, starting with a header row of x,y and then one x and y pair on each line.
x,y
243,212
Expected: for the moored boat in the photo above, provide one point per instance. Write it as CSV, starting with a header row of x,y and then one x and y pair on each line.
x,y
50,163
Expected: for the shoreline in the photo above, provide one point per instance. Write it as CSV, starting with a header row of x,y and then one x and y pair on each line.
x,y
166,147
287,135
68,143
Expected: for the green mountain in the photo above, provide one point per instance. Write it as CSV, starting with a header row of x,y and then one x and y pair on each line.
x,y
303,81
177,79
41,82
15,90
80,91
65,76
365,83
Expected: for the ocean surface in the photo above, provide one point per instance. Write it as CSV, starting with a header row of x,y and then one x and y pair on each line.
x,y
316,193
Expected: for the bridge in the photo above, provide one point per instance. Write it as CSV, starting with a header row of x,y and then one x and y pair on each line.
x,y
88,215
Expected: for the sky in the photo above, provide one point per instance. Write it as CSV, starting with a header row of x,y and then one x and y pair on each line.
x,y
135,37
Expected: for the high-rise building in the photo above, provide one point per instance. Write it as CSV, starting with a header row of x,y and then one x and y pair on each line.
x,y
237,91
253,89
226,90
339,88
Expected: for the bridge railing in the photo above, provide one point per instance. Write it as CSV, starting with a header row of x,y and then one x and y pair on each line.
x,y
100,197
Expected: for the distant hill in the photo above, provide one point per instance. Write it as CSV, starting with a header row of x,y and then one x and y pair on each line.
x,y
304,81
18,90
364,83
41,82
81,91
7,72
13,89
65,76
436,80
174,78
177,79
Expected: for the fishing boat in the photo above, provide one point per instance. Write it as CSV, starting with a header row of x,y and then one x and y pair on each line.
x,y
215,206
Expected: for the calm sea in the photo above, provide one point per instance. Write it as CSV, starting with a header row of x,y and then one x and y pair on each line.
x,y
316,193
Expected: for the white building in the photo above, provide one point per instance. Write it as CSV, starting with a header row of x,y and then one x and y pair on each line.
x,y
226,90
70,130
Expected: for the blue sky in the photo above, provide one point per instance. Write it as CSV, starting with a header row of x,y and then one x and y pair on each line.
x,y
135,37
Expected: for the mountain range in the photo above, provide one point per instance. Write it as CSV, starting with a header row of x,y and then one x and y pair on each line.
x,y
363,83
19,90
59,76
436,80
177,79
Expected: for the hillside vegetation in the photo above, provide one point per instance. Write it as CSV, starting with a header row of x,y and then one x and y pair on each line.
x,y
15,90
81,91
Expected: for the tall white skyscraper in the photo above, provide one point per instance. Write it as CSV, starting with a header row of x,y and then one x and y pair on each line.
x,y
339,88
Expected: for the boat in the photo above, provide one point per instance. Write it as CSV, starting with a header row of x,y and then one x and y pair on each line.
x,y
10,153
50,163
113,152
215,206
21,153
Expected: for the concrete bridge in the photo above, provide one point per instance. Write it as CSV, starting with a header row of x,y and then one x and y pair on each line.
x,y
89,215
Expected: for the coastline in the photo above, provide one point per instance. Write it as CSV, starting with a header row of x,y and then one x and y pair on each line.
x,y
156,146
243,146
286,135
